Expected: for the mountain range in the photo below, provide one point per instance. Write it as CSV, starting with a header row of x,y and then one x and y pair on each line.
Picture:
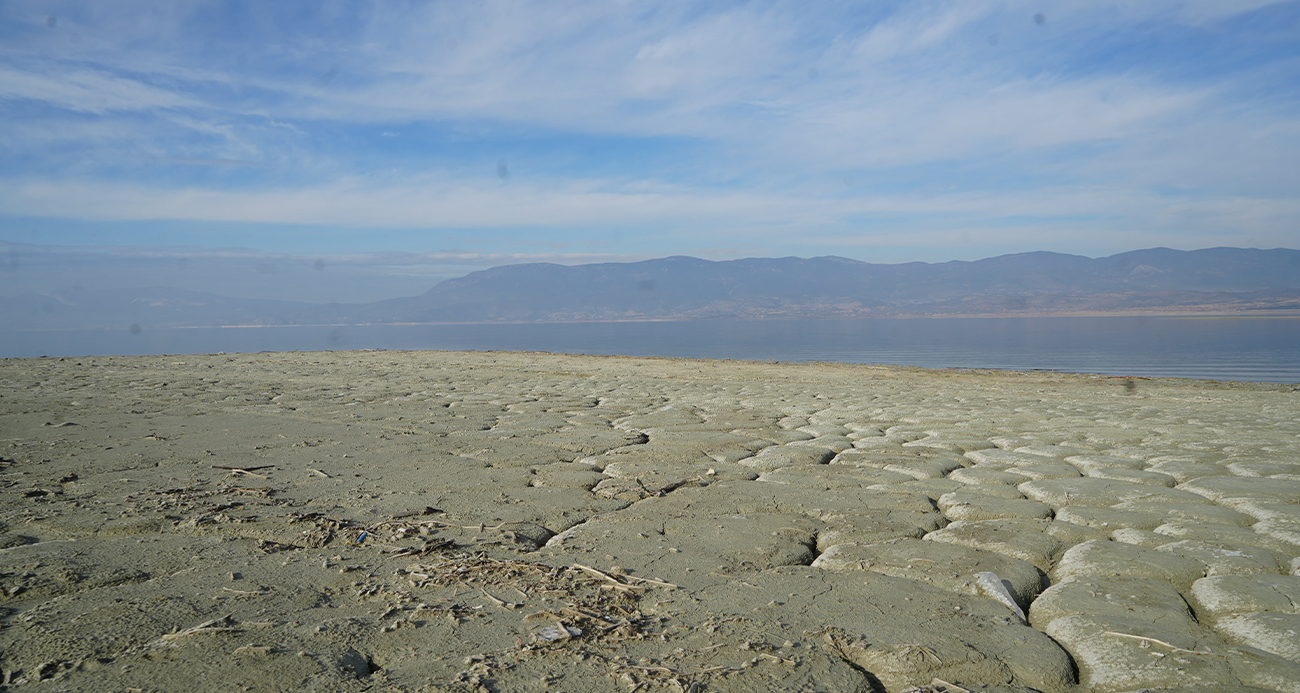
x,y
1214,280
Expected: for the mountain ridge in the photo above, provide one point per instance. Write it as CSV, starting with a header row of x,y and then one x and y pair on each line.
x,y
1230,280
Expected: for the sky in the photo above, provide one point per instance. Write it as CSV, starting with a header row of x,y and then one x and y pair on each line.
x,y
369,149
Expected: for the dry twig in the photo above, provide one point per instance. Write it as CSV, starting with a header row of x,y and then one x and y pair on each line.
x,y
652,581
616,583
205,627
1175,648
247,471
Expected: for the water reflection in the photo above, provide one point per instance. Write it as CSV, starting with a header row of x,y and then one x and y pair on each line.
x,y
1229,349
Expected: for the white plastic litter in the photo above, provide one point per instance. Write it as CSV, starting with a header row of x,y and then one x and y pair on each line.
x,y
557,632
993,588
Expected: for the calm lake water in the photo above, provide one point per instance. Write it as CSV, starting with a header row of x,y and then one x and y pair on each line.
x,y
1255,349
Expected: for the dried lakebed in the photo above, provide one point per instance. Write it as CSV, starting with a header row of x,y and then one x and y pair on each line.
x,y
427,521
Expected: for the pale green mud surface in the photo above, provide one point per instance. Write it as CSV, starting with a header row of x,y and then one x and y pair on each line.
x,y
425,521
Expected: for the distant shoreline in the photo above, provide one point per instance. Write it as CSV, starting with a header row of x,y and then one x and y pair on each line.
x,y
1180,315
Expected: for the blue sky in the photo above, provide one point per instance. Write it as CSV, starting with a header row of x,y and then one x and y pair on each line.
x,y
426,140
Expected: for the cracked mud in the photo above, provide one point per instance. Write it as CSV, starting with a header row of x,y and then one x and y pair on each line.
x,y
427,521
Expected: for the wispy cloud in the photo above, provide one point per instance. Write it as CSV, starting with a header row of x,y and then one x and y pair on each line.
x,y
87,91
781,126
816,224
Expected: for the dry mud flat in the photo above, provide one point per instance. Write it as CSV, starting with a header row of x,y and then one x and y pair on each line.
x,y
376,521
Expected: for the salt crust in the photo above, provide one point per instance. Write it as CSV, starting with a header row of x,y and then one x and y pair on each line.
x,y
1220,596
1130,633
946,566
1117,558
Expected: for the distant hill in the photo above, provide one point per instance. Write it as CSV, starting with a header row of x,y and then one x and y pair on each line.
x,y
683,288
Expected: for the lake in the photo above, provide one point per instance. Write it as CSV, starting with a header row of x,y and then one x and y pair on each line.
x,y
1251,349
